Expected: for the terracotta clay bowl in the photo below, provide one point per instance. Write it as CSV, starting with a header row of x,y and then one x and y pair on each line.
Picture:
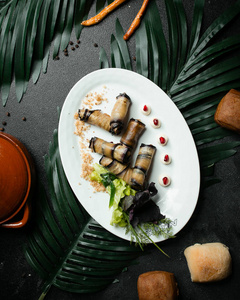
x,y
17,180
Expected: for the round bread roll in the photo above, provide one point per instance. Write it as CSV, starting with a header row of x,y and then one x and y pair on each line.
x,y
208,262
157,285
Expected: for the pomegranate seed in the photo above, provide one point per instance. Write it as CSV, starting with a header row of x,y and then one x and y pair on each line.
x,y
165,180
145,108
166,158
155,122
162,140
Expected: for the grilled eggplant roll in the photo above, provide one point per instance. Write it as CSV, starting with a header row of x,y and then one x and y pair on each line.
x,y
118,151
132,133
122,171
95,117
119,113
142,166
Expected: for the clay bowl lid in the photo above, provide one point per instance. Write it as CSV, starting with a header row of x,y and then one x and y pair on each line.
x,y
15,176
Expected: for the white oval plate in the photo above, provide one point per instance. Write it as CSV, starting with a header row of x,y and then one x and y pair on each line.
x,y
178,200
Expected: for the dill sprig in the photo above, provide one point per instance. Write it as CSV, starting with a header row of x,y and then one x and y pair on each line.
x,y
134,234
161,228
144,233
141,235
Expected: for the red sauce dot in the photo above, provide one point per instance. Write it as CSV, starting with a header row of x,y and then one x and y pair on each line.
x,y
166,158
155,122
162,140
145,108
165,180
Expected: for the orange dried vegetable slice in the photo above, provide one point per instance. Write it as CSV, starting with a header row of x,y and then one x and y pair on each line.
x,y
103,13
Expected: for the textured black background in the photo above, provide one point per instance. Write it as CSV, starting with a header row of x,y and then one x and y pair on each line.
x,y
216,218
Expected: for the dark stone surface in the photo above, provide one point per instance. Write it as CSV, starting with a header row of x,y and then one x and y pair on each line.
x,y
216,218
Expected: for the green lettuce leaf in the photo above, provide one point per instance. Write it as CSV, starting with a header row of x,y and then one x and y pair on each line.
x,y
116,188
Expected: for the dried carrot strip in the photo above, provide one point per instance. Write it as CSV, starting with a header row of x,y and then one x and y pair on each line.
x,y
103,13
136,21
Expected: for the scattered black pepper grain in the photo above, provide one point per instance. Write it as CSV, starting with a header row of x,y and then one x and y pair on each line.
x,y
8,114
65,50
95,45
76,46
4,123
57,58
72,48
78,41
65,53
134,57
24,118
70,43
1,129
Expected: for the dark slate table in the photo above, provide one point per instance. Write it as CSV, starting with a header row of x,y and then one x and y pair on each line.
x,y
216,217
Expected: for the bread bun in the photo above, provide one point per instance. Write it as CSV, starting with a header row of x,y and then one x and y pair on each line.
x,y
157,285
208,262
228,111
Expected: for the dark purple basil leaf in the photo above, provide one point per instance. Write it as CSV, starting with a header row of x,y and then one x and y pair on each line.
x,y
141,207
127,202
152,189
135,221
141,198
149,212
131,215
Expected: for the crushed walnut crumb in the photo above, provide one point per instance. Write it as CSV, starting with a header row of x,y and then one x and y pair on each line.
x,y
87,169
81,127
95,98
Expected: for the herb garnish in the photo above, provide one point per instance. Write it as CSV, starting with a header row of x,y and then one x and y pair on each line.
x,y
107,180
136,211
141,234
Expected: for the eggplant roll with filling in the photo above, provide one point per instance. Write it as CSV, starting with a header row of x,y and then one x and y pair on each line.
x,y
119,113
142,166
131,135
118,151
95,117
121,171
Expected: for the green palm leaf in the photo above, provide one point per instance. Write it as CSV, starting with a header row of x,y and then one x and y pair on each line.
x,y
142,51
158,57
103,59
31,27
174,40
66,246
3,3
196,24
